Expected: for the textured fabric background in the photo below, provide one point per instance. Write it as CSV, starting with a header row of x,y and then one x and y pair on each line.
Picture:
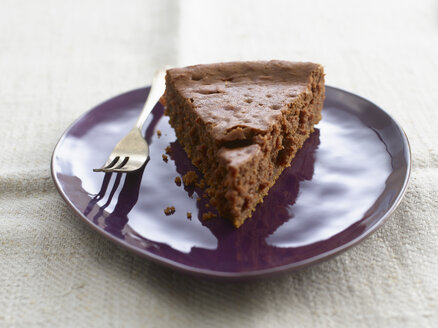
x,y
60,58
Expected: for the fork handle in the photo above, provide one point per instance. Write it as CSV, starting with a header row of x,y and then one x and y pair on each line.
x,y
157,89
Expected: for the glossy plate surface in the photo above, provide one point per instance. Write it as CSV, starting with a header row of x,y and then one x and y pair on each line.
x,y
348,177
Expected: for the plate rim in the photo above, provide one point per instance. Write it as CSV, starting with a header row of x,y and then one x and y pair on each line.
x,y
246,275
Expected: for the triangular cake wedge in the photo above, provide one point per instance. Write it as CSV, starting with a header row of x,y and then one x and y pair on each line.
x,y
241,124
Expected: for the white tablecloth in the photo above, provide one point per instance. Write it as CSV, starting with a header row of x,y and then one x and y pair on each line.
x,y
60,58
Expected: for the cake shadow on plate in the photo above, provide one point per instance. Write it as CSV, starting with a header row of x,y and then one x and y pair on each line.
x,y
248,243
273,211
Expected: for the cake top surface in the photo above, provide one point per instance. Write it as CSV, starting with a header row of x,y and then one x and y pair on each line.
x,y
237,98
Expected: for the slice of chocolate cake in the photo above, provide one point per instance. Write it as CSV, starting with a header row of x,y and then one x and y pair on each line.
x,y
241,124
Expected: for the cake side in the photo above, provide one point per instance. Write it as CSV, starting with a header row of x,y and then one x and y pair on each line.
x,y
192,134
242,158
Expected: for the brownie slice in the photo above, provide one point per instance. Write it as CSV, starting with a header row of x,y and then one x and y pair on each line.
x,y
241,124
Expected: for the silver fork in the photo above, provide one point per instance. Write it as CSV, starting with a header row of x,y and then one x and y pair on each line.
x,y
132,152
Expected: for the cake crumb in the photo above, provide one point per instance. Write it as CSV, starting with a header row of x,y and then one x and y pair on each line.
x,y
190,178
189,215
210,192
207,205
168,150
165,158
158,133
208,216
201,184
169,210
178,181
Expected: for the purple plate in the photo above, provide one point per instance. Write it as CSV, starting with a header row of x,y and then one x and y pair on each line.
x,y
346,180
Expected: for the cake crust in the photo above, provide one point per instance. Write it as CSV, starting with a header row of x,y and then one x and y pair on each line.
x,y
241,123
